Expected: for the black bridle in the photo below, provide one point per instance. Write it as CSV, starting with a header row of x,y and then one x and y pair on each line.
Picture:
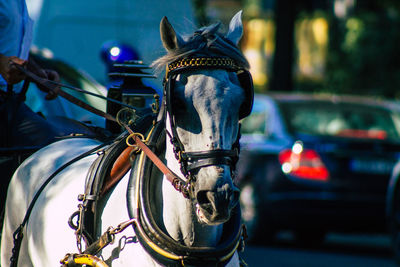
x,y
190,162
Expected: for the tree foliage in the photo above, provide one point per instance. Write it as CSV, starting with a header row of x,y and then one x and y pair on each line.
x,y
363,53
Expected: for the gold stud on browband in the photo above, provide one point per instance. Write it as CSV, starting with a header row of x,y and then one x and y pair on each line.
x,y
221,62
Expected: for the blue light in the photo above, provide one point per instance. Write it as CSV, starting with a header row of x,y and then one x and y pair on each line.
x,y
115,51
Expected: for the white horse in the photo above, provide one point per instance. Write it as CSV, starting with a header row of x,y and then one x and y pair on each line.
x,y
203,104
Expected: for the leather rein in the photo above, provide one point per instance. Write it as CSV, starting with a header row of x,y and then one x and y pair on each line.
x,y
178,183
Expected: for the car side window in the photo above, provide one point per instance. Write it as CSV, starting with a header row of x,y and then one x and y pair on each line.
x,y
344,120
257,122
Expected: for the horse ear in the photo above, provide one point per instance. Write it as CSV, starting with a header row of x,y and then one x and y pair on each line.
x,y
235,31
169,38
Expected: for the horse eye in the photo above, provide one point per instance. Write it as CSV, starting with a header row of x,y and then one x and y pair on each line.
x,y
183,79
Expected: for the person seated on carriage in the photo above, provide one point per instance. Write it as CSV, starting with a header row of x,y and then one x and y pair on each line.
x,y
19,125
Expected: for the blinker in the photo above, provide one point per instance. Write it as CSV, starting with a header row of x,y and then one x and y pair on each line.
x,y
244,76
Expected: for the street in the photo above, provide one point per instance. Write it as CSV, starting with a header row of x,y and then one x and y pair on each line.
x,y
338,250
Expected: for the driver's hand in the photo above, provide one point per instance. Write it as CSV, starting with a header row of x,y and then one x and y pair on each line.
x,y
48,87
9,71
53,92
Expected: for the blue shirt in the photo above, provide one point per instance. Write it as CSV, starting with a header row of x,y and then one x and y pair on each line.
x,y
15,32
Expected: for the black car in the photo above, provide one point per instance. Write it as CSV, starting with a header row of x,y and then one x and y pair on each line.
x,y
313,164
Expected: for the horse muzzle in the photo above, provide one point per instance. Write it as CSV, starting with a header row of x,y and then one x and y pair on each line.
x,y
214,206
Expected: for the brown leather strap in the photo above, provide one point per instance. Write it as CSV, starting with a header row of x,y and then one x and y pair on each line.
x,y
82,104
120,167
170,175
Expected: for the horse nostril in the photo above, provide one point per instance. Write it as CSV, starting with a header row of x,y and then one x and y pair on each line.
x,y
202,197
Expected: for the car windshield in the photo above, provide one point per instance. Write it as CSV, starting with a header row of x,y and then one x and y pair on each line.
x,y
339,119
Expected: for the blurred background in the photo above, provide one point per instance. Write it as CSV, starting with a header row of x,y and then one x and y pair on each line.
x,y
341,46
332,47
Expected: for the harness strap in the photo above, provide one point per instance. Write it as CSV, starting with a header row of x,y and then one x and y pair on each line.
x,y
120,167
18,234
178,183
96,179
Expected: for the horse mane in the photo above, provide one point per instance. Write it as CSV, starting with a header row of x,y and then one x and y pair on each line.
x,y
206,41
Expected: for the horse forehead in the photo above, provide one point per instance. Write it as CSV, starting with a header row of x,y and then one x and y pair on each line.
x,y
212,83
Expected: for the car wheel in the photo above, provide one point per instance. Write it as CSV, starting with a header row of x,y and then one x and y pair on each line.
x,y
258,232
309,237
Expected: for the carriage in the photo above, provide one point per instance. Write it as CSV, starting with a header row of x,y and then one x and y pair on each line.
x,y
162,192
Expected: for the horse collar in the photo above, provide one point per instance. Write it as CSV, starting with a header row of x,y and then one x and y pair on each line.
x,y
156,242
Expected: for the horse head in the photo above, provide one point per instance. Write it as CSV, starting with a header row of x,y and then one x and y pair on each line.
x,y
205,99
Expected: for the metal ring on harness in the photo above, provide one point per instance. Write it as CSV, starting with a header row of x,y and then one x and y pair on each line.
x,y
132,136
124,112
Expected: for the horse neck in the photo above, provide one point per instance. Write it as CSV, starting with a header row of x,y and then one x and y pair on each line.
x,y
179,216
